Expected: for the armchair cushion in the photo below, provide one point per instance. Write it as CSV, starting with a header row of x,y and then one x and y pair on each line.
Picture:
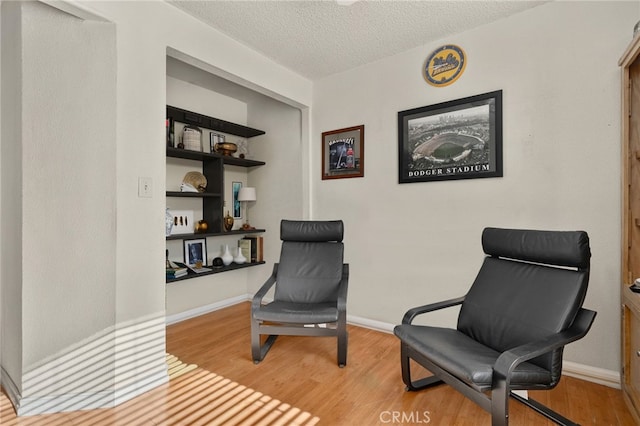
x,y
465,358
512,302
311,230
311,261
567,248
298,313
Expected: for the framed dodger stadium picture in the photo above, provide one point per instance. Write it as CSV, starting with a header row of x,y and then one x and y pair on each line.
x,y
459,139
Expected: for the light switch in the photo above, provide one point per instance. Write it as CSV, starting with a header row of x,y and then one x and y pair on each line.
x,y
145,187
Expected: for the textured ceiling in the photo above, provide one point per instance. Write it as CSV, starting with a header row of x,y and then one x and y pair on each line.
x,y
316,38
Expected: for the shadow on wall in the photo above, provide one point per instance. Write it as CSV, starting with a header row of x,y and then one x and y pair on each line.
x,y
102,371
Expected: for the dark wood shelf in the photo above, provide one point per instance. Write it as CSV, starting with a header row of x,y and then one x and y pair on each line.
x,y
188,117
188,154
214,234
231,267
192,194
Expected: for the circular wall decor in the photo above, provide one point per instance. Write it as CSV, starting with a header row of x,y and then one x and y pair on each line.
x,y
445,65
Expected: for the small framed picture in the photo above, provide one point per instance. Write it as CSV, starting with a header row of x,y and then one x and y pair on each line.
x,y
235,190
343,153
195,251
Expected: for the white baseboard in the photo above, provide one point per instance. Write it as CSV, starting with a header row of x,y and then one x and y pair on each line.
x,y
601,376
385,327
10,387
192,313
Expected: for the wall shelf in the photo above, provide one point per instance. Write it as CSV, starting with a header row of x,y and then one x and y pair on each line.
x,y
213,169
189,117
206,156
214,234
231,267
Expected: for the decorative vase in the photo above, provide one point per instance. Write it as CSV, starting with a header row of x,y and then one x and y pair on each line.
x,y
228,221
168,223
202,226
227,258
239,259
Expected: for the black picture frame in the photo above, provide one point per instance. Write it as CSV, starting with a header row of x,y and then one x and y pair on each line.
x,y
195,250
459,139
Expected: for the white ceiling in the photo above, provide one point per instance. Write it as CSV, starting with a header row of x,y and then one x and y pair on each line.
x,y
317,38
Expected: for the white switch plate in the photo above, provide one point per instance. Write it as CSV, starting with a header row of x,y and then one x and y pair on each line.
x,y
145,187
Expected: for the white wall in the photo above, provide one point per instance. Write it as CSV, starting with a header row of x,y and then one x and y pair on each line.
x,y
417,243
133,237
10,202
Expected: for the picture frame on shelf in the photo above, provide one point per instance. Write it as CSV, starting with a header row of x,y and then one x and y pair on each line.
x,y
182,222
235,190
459,139
343,153
195,251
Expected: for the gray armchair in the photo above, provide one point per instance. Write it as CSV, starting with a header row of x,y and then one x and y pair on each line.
x,y
310,288
524,306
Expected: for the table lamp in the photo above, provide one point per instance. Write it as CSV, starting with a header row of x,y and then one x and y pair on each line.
x,y
245,195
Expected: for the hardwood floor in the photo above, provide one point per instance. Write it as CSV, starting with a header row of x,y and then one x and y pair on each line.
x,y
299,382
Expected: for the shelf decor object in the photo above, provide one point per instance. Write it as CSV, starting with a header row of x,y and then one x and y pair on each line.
x,y
239,258
246,195
228,222
201,227
235,203
343,153
182,222
227,257
196,180
459,139
192,138
168,222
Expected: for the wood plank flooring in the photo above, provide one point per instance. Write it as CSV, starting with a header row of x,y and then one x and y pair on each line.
x,y
299,382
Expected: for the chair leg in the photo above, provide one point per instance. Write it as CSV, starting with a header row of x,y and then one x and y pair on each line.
x,y
405,364
499,403
258,351
343,337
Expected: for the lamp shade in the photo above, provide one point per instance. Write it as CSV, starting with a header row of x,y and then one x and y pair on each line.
x,y
247,194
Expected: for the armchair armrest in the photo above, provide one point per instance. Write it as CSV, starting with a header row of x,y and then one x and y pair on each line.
x,y
342,289
510,359
414,312
257,298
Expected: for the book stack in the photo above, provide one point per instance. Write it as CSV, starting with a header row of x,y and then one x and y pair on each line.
x,y
257,248
175,270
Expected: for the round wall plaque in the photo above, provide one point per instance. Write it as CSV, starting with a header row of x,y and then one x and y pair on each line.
x,y
445,65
